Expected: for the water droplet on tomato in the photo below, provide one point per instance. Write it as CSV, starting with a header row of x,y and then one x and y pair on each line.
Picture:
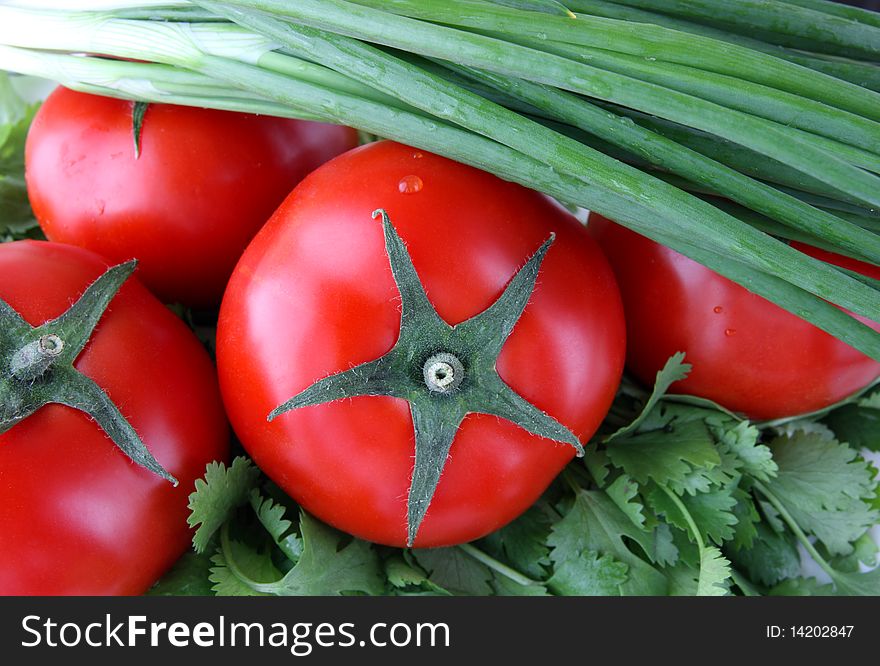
x,y
730,332
717,309
410,184
417,155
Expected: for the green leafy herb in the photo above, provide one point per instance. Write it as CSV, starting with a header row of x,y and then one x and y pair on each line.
x,y
217,496
656,456
589,574
594,525
858,424
823,484
452,570
674,370
691,500
772,558
188,577
16,218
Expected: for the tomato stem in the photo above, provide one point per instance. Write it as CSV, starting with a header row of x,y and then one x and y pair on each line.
x,y
36,357
443,373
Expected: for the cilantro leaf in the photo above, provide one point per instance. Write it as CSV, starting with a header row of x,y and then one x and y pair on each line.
x,y
455,571
714,578
402,574
588,574
505,587
710,511
683,580
865,552
665,552
858,425
771,516
16,218
747,519
742,441
870,401
597,464
324,569
772,558
594,524
271,516
240,570
858,584
668,457
623,493
674,370
822,485
802,587
188,577
523,542
218,496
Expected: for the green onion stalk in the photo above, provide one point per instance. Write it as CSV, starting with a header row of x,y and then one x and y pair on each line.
x,y
598,106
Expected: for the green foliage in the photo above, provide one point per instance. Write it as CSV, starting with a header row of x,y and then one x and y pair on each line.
x,y
772,557
452,570
684,501
16,218
188,577
823,485
217,496
594,528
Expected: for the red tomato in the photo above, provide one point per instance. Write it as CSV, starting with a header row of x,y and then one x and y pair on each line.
x,y
203,185
313,295
76,515
747,353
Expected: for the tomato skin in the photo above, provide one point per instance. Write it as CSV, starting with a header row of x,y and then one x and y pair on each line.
x,y
203,185
748,354
314,295
77,517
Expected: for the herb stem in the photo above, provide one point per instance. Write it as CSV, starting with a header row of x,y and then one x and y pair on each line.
x,y
226,549
496,566
698,537
795,528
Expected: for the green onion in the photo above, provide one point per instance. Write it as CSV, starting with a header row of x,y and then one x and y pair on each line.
x,y
650,43
525,113
665,153
792,23
862,74
514,60
424,90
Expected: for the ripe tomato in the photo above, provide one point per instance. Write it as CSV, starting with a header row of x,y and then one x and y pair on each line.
x,y
747,353
314,295
76,515
203,185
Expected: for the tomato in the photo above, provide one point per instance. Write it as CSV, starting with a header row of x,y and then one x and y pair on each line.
x,y
76,515
313,295
748,354
203,185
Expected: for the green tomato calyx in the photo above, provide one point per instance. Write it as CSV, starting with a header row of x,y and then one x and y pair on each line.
x,y
442,387
37,367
